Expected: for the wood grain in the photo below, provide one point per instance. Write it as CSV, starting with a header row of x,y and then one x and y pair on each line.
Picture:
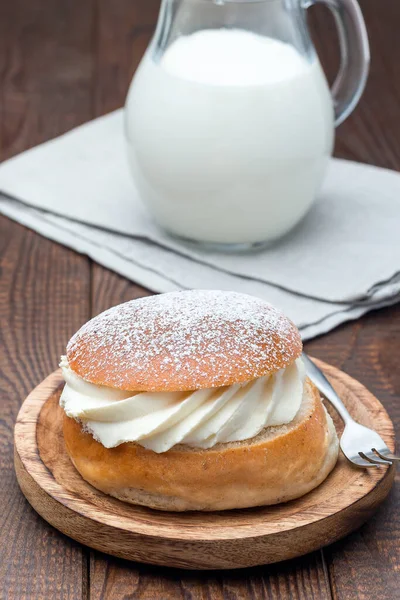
x,y
372,133
299,578
124,29
36,314
230,539
366,564
44,296
47,79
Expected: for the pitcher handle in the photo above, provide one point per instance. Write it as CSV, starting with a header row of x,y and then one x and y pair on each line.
x,y
354,49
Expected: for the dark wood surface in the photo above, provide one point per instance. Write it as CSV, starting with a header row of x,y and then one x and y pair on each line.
x,y
63,62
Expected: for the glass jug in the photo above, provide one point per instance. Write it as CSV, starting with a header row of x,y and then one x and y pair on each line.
x,y
229,118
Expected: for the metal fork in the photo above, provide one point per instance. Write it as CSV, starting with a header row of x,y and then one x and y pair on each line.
x,y
361,445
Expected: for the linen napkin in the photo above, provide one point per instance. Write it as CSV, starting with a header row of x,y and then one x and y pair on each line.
x,y
341,261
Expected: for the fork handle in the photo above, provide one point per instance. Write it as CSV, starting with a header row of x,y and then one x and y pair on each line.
x,y
319,379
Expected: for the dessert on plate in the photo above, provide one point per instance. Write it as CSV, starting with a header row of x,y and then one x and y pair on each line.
x,y
194,400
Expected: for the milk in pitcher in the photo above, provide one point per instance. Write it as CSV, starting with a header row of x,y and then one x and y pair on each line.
x,y
229,135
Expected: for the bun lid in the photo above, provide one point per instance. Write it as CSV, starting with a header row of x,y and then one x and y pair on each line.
x,y
184,341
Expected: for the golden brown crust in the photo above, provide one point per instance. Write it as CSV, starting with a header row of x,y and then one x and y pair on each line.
x,y
184,341
280,464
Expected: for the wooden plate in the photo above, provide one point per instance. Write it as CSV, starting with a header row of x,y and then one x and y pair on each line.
x,y
222,540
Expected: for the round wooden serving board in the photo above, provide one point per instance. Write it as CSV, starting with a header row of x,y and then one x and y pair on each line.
x,y
225,540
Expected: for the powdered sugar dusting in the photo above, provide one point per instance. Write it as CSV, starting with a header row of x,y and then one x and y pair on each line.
x,y
184,340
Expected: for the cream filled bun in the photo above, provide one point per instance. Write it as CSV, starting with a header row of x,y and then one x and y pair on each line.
x,y
194,400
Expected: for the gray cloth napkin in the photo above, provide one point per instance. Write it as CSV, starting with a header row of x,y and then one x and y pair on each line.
x,y
341,261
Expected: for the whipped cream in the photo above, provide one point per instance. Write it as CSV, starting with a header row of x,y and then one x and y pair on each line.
x,y
200,418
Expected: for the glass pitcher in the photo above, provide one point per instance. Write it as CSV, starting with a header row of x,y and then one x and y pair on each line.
x,y
229,118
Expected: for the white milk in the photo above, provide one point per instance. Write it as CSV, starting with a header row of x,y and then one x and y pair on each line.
x,y
229,135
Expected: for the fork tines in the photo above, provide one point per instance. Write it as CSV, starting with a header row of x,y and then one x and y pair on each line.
x,y
377,457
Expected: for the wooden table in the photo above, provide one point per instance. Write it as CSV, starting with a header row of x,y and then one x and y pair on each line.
x,y
63,62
